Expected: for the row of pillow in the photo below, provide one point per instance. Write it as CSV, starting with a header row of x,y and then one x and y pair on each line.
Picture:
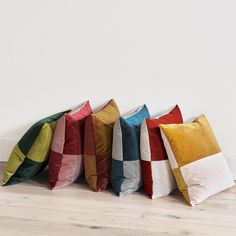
x,y
129,151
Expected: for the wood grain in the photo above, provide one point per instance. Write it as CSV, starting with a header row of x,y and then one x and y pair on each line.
x,y
31,208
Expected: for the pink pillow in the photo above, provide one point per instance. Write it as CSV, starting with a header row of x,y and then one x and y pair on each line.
x,y
66,157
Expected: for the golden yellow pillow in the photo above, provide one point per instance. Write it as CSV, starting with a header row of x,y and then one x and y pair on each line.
x,y
196,160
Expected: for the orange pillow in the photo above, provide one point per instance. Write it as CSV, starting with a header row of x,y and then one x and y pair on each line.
x,y
98,145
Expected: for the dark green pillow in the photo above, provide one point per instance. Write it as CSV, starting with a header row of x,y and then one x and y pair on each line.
x,y
30,155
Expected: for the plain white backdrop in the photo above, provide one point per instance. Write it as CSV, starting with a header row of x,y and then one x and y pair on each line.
x,y
56,54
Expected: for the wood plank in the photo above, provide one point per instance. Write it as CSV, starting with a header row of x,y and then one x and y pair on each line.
x,y
31,208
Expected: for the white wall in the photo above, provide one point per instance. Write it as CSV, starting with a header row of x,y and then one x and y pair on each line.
x,y
56,54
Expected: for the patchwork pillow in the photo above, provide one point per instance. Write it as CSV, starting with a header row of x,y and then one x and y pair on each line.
x,y
66,157
30,155
98,145
126,174
196,159
158,179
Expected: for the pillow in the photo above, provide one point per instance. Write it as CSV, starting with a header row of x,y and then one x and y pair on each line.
x,y
66,157
30,154
126,174
98,146
196,159
158,179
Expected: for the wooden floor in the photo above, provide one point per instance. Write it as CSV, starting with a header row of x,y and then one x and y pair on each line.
x,y
32,209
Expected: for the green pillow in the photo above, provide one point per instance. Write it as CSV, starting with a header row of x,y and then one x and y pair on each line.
x,y
30,155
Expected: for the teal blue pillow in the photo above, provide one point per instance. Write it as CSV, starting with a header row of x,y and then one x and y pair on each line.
x,y
125,168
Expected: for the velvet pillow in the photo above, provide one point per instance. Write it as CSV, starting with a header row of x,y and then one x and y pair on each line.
x,y
30,155
196,159
98,146
158,179
126,174
66,157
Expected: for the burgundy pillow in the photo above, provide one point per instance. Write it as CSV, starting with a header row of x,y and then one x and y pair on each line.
x,y
66,157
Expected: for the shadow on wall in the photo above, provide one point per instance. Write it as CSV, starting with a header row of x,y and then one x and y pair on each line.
x,y
189,120
9,139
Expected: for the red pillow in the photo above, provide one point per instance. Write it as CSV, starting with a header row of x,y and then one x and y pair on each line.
x,y
66,157
158,179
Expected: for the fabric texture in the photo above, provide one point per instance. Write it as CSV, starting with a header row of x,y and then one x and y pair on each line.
x,y
30,155
196,159
126,174
98,146
66,156
158,179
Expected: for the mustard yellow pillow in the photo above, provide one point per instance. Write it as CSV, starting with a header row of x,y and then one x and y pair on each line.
x,y
196,160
